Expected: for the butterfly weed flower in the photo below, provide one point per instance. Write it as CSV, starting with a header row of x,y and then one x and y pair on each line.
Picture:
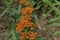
x,y
26,21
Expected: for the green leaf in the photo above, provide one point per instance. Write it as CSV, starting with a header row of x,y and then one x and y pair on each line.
x,y
9,35
54,24
47,14
56,33
38,5
40,38
52,6
3,13
19,18
44,10
35,17
14,10
48,3
13,35
7,3
33,3
56,10
58,3
11,1
13,24
17,35
55,19
19,9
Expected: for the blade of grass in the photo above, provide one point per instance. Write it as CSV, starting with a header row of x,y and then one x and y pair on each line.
x,y
35,17
19,9
54,24
11,1
9,35
14,10
56,33
56,10
13,35
38,5
52,6
48,3
33,3
47,14
55,19
58,3
44,10
3,13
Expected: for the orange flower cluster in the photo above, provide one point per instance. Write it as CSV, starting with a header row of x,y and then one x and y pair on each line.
x,y
26,22
30,35
27,10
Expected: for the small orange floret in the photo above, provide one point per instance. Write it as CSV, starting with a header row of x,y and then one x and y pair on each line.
x,y
27,4
19,28
22,1
33,35
29,9
28,24
24,35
